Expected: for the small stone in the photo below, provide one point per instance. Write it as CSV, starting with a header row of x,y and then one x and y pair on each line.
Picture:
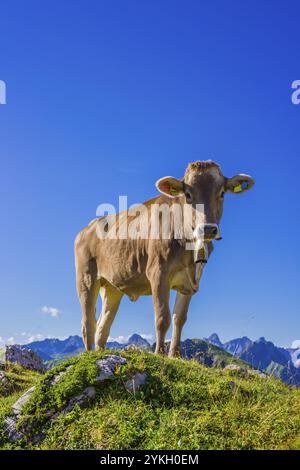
x,y
133,347
3,379
105,373
4,384
83,400
136,382
235,368
107,366
10,422
17,406
258,373
117,360
11,429
56,378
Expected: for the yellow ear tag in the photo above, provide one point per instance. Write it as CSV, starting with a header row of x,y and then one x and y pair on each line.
x,y
238,189
174,192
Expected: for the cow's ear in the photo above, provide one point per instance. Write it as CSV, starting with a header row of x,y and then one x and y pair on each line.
x,y
170,186
239,184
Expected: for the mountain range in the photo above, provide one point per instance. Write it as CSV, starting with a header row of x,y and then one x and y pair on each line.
x,y
51,349
260,354
264,355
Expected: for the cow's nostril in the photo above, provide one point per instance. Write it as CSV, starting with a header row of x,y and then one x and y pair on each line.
x,y
210,231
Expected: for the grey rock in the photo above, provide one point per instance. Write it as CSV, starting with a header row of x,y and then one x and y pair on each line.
x,y
3,378
258,373
83,400
4,384
10,422
134,347
17,406
116,360
25,357
56,378
107,366
106,371
235,368
136,382
10,426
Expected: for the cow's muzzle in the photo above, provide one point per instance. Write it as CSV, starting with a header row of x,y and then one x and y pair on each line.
x,y
207,232
203,234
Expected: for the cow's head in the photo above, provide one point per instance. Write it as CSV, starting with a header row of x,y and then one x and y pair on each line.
x,y
204,183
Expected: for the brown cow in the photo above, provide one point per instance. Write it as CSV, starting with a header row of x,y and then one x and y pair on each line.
x,y
146,264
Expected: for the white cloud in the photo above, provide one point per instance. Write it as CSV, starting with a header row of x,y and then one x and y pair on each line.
x,y
148,337
119,339
296,344
52,311
37,337
23,338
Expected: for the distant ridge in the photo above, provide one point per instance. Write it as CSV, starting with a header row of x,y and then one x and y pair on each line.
x,y
264,355
260,354
52,348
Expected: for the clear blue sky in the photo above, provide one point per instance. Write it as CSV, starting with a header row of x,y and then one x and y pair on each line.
x,y
104,98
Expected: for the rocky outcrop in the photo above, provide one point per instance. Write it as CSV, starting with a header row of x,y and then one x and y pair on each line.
x,y
235,368
11,422
107,368
245,371
83,400
258,373
4,384
108,365
136,382
56,378
18,405
24,357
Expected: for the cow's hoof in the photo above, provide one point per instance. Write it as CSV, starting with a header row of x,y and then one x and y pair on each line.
x,y
160,351
174,353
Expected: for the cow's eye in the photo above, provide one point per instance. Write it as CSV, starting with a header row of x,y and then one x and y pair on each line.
x,y
222,194
188,197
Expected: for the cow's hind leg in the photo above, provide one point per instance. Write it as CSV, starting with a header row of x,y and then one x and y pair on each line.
x,y
179,318
88,290
111,298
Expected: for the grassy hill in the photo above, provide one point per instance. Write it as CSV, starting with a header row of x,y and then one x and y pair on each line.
x,y
2,354
183,405
208,354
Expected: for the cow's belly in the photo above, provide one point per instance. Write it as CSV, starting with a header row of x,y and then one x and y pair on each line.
x,y
185,281
134,287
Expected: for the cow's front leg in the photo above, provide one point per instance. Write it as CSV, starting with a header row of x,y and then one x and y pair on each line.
x,y
179,318
160,294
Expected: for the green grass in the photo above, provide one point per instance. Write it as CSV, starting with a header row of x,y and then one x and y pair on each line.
x,y
182,406
20,380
